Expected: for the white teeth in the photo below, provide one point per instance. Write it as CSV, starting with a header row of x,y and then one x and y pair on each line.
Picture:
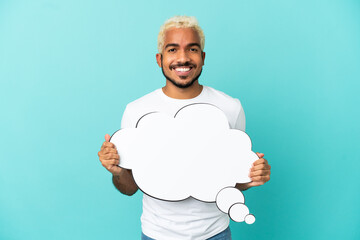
x,y
182,69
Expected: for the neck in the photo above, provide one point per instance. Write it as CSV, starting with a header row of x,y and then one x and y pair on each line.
x,y
172,91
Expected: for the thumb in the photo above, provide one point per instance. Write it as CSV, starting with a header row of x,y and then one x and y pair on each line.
x,y
260,155
107,137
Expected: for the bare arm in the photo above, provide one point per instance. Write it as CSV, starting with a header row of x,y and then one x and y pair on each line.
x,y
124,182
122,178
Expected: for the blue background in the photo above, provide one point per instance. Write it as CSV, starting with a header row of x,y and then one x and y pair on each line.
x,y
68,68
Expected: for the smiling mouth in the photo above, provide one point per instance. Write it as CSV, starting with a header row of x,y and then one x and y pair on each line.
x,y
182,70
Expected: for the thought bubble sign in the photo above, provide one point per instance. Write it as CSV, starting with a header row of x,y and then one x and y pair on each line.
x,y
191,154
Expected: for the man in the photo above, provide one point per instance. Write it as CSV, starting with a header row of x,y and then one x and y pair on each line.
x,y
181,58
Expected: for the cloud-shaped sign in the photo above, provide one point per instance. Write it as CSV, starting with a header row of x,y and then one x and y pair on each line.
x,y
192,154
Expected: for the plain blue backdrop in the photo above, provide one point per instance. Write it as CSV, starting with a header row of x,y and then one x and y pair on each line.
x,y
68,69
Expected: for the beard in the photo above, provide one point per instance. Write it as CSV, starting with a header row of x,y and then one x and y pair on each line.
x,y
180,85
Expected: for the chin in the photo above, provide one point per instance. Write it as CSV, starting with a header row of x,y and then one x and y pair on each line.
x,y
180,82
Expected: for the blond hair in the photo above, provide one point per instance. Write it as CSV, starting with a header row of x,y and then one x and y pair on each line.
x,y
180,22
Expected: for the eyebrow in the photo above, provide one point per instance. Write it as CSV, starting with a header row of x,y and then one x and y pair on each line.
x,y
177,45
171,45
194,44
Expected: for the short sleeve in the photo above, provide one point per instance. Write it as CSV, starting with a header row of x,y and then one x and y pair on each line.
x,y
240,121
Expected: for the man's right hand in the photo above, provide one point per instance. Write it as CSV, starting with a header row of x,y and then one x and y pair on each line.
x,y
109,156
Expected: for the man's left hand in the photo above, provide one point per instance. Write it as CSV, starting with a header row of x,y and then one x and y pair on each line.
x,y
259,173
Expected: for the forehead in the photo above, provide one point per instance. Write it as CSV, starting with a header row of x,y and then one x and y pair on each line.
x,y
181,36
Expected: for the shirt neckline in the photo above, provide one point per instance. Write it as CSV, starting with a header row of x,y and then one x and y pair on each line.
x,y
182,100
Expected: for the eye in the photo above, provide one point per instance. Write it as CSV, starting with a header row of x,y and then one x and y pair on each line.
x,y
193,49
172,50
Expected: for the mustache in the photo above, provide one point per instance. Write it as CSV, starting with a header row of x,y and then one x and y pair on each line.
x,y
182,65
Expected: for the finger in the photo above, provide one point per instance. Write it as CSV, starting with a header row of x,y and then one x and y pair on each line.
x,y
109,156
107,138
260,173
108,144
261,167
260,155
259,161
263,179
108,150
107,163
104,146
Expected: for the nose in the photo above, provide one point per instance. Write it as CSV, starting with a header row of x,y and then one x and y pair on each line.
x,y
183,57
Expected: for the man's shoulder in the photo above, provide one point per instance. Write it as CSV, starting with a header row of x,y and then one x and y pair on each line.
x,y
222,97
218,92
136,109
229,105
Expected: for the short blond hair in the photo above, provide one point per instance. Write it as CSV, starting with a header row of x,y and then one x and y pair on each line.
x,y
180,22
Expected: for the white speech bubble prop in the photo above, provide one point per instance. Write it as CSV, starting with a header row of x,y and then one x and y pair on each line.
x,y
194,153
231,200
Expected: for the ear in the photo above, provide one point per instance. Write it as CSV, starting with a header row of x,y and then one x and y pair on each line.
x,y
203,57
158,59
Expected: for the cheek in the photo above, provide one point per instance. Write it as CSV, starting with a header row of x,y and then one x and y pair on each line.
x,y
166,63
168,58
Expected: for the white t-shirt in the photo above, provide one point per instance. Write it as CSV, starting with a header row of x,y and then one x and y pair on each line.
x,y
188,219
